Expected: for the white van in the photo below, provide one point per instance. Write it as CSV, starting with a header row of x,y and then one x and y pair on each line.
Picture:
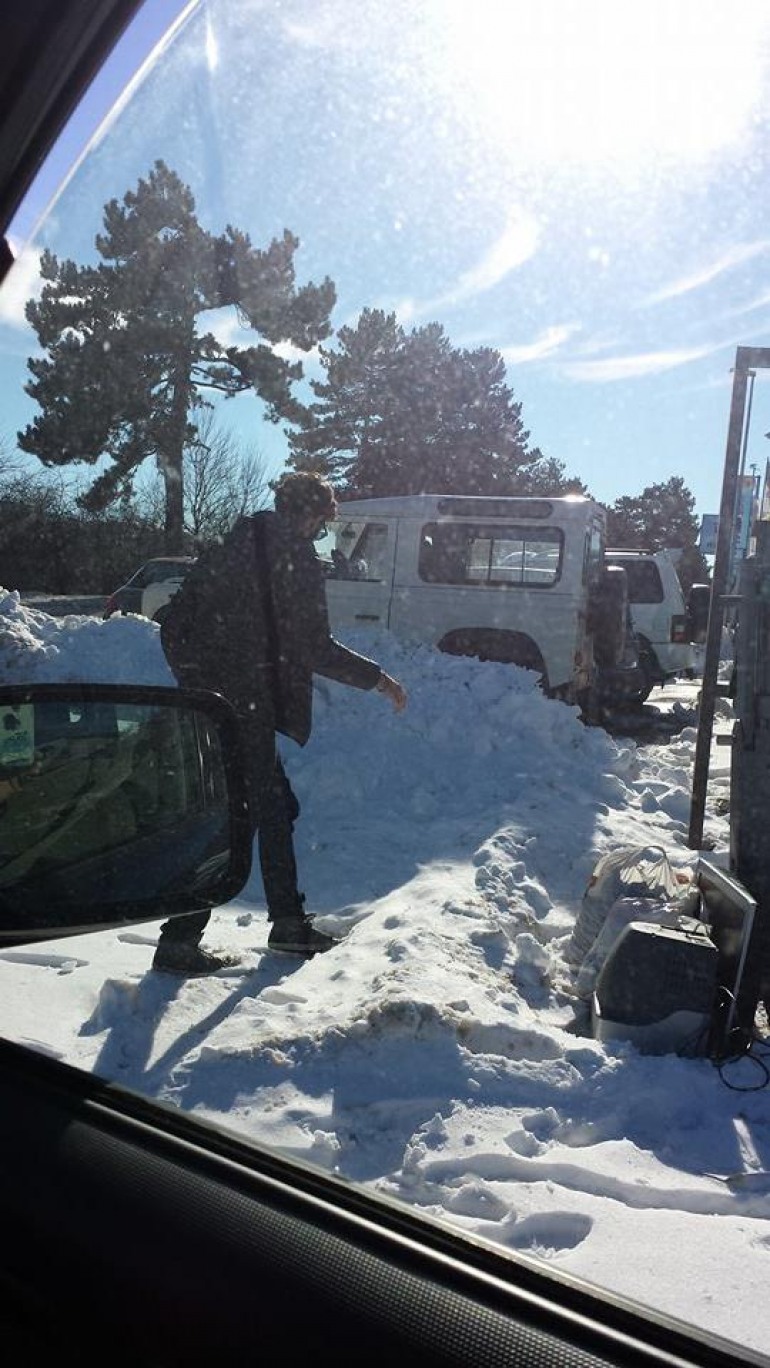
x,y
513,579
659,614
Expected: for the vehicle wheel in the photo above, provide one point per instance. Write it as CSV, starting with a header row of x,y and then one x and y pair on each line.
x,y
161,614
508,648
648,667
643,694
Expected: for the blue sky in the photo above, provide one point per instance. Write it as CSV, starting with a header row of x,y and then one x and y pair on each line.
x,y
581,184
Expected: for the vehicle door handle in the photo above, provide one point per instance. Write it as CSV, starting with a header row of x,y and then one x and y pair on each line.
x,y
367,617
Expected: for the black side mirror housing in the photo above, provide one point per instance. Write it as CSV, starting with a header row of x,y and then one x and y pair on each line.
x,y
118,804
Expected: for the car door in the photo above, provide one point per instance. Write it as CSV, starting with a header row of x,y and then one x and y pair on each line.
x,y
360,569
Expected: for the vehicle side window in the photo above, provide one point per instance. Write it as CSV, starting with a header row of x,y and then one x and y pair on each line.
x,y
359,551
162,570
644,582
155,574
452,553
594,555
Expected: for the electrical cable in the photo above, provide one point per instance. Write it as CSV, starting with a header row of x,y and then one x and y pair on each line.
x,y
739,1046
722,1064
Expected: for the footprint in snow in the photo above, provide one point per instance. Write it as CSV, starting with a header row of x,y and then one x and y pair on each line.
x,y
549,1235
476,1199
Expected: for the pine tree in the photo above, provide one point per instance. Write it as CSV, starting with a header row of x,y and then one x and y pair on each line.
x,y
404,413
661,517
351,411
125,364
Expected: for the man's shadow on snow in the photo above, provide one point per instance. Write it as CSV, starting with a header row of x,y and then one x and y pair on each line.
x,y
367,1099
131,1013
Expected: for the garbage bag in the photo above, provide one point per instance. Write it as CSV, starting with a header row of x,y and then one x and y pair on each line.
x,y
630,872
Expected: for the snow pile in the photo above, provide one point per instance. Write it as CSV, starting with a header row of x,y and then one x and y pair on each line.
x,y
36,648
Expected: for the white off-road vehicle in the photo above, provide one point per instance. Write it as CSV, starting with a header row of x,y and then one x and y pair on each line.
x,y
521,580
660,615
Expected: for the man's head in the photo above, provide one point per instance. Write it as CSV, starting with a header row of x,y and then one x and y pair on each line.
x,y
306,500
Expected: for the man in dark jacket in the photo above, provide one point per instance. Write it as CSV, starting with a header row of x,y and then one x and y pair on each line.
x,y
251,623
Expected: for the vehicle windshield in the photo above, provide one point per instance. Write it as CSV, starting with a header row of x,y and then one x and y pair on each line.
x,y
485,268
157,570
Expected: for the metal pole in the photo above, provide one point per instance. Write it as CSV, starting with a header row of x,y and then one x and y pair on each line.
x,y
716,612
746,360
752,374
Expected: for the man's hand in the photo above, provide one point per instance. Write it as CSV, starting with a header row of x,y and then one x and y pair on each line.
x,y
392,690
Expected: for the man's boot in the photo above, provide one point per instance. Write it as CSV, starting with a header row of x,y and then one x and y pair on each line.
x,y
187,958
297,936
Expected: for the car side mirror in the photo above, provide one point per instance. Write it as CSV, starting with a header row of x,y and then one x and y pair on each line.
x,y
118,804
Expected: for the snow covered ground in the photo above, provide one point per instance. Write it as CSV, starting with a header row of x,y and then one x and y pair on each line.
x,y
433,1055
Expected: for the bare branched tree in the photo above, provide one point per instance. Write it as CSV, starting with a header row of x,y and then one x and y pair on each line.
x,y
12,465
223,479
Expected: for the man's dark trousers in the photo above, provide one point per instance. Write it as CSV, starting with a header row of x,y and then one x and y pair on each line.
x,y
274,811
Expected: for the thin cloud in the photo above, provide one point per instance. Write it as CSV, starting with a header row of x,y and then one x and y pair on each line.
x,y
324,31
226,328
635,367
736,256
545,345
405,310
517,244
21,284
749,306
289,352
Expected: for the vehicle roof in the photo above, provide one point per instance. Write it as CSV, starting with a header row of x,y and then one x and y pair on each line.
x,y
638,553
470,506
169,560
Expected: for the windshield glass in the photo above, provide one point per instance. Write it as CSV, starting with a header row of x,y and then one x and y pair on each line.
x,y
427,251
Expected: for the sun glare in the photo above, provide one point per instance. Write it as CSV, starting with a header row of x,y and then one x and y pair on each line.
x,y
607,80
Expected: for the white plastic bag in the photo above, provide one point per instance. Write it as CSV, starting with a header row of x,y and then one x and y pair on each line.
x,y
631,872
